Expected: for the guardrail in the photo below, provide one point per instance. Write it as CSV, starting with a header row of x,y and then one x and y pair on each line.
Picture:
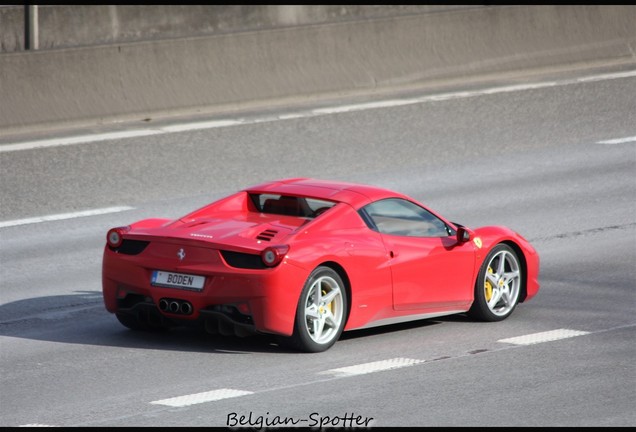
x,y
32,27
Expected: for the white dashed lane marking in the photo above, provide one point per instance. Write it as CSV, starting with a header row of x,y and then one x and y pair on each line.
x,y
360,369
364,368
371,367
197,398
547,336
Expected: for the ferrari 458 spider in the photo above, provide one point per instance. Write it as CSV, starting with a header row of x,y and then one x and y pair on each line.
x,y
307,259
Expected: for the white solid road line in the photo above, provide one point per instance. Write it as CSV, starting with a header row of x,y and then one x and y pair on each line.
x,y
81,139
618,140
62,216
85,139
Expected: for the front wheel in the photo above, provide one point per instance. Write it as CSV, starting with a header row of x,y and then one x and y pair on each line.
x,y
498,285
321,312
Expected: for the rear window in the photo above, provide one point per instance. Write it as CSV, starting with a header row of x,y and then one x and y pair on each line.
x,y
290,205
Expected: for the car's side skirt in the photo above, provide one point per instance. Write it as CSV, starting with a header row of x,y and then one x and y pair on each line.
x,y
406,318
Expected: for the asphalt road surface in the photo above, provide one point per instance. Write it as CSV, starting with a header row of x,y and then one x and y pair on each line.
x,y
553,157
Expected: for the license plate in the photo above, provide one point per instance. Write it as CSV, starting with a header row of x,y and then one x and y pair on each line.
x,y
177,280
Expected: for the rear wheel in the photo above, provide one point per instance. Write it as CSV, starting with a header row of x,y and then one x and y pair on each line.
x,y
321,312
498,285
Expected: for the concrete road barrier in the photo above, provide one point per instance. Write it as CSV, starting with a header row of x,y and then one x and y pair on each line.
x,y
107,83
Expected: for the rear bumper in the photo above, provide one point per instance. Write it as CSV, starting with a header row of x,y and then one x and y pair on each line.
x,y
267,299
217,320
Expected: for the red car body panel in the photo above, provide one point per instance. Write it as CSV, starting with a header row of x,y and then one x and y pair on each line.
x,y
388,278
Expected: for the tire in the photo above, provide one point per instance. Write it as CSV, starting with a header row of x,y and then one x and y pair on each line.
x,y
321,312
498,285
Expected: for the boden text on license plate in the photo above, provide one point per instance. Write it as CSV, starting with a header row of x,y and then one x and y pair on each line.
x,y
177,280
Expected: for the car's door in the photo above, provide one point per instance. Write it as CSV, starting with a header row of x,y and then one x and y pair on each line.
x,y
430,269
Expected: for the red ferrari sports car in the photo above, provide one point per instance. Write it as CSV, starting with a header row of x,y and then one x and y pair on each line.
x,y
307,259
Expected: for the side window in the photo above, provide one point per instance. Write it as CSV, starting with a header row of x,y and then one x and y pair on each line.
x,y
397,216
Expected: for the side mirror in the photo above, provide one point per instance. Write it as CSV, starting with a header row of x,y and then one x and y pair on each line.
x,y
463,235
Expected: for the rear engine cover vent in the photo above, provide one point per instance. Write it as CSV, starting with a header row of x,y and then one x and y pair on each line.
x,y
267,235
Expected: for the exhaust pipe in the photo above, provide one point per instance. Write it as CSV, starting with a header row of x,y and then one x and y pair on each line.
x,y
186,308
164,304
175,306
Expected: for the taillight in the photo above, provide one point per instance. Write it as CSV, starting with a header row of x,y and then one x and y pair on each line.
x,y
115,236
274,255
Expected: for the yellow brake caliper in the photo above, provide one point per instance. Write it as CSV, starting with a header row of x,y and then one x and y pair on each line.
x,y
329,305
488,286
